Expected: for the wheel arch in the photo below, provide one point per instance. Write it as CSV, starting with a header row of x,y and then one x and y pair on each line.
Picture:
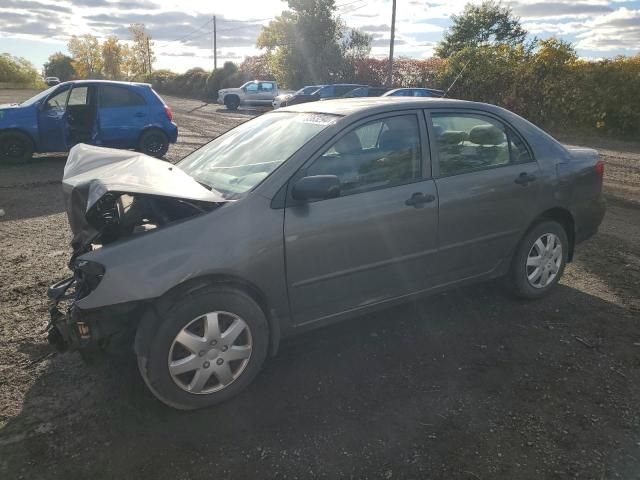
x,y
27,134
148,128
162,303
564,217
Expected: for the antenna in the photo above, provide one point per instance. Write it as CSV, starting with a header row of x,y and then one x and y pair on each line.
x,y
456,79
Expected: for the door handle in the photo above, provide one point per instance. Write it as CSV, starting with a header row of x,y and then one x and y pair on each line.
x,y
418,199
140,114
524,179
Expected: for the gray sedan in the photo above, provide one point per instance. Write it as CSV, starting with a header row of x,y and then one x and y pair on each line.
x,y
307,216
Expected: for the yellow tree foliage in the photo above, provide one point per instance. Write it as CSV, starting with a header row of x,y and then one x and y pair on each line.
x,y
86,53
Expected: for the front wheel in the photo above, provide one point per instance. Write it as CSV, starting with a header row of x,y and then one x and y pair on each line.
x,y
539,260
154,143
15,147
232,102
209,347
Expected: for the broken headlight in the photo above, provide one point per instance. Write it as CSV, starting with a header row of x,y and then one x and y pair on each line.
x,y
88,275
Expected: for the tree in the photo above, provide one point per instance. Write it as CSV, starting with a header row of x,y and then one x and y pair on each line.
x,y
257,67
112,58
142,57
308,44
487,24
59,65
18,70
87,61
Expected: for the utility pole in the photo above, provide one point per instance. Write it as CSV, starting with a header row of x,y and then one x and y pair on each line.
x,y
214,41
148,54
393,35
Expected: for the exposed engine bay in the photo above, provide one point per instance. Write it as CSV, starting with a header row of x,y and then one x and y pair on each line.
x,y
111,195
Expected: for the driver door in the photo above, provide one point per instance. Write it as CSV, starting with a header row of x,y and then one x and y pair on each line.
x,y
52,121
252,92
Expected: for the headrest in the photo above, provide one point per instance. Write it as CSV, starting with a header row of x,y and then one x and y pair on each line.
x,y
348,144
452,137
486,135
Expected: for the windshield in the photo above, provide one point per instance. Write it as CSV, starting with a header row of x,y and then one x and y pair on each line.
x,y
240,159
38,97
307,90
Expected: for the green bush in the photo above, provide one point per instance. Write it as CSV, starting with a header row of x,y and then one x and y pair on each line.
x,y
17,70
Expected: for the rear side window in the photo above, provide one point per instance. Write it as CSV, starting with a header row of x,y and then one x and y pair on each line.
x,y
113,97
468,142
266,86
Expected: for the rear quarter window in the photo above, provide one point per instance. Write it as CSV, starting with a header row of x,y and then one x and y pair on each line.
x,y
113,97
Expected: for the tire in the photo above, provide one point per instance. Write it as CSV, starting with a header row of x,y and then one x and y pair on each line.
x,y
184,390
232,102
525,278
153,142
15,147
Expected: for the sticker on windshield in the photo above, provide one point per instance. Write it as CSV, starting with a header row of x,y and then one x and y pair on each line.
x,y
318,119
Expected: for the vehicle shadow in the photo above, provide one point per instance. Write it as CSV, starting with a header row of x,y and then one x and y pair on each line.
x,y
32,188
436,388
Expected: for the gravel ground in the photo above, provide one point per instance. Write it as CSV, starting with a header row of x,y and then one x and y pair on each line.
x,y
470,384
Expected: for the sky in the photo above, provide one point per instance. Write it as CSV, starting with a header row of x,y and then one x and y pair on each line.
x,y
182,30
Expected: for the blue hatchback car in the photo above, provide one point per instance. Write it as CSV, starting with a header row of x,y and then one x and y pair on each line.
x,y
98,112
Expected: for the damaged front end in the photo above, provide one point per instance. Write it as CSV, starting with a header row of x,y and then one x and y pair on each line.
x,y
110,196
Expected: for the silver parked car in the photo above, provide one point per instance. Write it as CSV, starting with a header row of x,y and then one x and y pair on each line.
x,y
306,216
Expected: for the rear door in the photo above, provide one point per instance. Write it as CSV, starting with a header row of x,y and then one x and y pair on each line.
x,y
487,182
378,239
122,115
266,91
52,123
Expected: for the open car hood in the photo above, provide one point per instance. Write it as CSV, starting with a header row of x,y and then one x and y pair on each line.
x,y
97,180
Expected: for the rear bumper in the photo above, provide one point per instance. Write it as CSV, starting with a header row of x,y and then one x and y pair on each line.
x,y
589,219
172,132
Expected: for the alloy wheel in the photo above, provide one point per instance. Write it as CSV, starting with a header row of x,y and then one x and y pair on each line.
x,y
210,352
544,260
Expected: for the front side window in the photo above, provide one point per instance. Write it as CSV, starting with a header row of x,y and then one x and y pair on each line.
x,y
79,96
381,153
252,87
58,101
237,161
467,143
114,97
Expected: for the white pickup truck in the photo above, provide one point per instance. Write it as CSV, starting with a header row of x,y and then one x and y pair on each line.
x,y
255,92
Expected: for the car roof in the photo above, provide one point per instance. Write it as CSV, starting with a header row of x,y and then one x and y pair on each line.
x,y
349,106
108,82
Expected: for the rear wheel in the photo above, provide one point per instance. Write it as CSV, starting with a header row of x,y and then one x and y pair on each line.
x,y
15,147
539,261
232,102
209,347
153,143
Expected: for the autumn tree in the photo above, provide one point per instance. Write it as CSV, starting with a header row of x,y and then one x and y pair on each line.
x,y
487,24
86,54
59,65
141,56
307,44
112,58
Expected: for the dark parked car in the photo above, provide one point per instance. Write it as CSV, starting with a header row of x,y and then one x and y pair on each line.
x,y
324,93
366,92
98,112
281,100
306,216
414,92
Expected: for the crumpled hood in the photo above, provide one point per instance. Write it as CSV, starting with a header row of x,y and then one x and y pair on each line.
x,y
92,172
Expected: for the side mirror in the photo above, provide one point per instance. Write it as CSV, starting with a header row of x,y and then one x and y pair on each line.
x,y
316,187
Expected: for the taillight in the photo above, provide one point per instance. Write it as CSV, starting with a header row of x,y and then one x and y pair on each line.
x,y
169,113
600,169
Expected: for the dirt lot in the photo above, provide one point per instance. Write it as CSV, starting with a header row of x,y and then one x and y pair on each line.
x,y
466,385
